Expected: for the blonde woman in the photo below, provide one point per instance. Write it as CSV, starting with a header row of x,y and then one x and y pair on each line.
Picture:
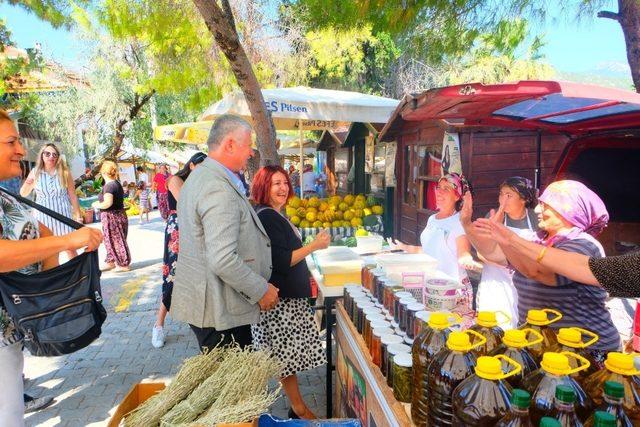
x,y
54,189
115,224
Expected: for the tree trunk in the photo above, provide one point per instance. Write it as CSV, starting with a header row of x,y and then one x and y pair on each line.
x,y
221,24
628,17
118,137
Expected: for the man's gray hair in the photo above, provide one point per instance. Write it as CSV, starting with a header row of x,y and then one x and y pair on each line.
x,y
223,126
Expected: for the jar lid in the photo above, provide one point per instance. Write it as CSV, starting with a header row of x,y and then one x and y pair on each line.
x,y
416,306
361,299
614,389
380,323
394,349
352,286
374,317
407,300
370,310
403,359
520,398
407,340
423,315
379,332
388,339
565,393
364,304
401,294
394,324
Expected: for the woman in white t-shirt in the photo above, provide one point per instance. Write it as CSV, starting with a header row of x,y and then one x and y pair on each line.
x,y
443,238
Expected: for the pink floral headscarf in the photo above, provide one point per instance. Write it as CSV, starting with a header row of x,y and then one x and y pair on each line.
x,y
578,205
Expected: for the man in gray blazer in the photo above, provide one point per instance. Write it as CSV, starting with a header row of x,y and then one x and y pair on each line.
x,y
225,254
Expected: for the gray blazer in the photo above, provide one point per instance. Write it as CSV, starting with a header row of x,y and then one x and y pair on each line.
x,y
225,253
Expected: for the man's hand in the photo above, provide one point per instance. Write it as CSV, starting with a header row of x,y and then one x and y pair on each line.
x,y
85,237
269,299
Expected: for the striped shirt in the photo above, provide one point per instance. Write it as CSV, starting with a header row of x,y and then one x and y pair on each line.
x,y
51,194
581,305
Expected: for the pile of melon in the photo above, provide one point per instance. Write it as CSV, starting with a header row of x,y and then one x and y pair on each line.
x,y
336,211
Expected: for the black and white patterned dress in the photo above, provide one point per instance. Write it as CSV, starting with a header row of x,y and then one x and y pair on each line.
x,y
289,332
52,194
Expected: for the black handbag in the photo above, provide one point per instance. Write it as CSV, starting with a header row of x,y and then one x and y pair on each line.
x,y
57,311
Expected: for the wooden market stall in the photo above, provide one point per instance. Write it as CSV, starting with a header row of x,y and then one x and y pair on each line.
x,y
527,129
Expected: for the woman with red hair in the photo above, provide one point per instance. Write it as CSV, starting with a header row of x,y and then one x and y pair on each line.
x,y
288,331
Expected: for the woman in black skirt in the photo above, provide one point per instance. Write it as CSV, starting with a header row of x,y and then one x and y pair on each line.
x,y
288,331
171,246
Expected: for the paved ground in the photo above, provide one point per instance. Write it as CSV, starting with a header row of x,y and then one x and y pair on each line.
x,y
89,384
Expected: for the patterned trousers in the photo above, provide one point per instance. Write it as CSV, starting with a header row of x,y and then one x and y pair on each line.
x,y
115,226
163,205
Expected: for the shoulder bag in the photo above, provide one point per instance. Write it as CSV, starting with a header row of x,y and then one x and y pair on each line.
x,y
58,311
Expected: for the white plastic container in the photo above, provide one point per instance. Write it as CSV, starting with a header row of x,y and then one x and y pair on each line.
x,y
369,244
395,264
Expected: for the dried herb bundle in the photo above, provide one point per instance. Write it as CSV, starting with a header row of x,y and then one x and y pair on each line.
x,y
194,371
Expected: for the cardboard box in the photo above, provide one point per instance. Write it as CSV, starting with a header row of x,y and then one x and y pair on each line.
x,y
141,392
138,394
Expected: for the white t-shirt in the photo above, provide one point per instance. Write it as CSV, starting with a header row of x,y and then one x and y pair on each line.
x,y
309,181
142,176
438,239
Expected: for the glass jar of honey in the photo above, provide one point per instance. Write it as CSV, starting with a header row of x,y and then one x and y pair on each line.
x,y
359,318
376,344
369,323
403,311
412,310
397,296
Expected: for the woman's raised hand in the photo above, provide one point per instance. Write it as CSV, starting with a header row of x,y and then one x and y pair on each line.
x,y
322,240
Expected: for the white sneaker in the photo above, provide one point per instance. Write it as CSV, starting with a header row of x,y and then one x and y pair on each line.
x,y
157,336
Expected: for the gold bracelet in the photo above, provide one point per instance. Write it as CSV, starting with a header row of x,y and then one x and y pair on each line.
x,y
541,255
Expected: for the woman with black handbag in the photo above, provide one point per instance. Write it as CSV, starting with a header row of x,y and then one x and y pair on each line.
x,y
26,246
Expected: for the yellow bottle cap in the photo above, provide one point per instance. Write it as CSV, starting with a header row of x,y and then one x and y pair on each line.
x,y
488,367
459,341
515,338
558,363
439,321
555,363
569,337
573,337
620,363
540,317
491,367
487,319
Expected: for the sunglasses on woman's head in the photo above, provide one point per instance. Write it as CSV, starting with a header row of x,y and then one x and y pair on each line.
x,y
50,154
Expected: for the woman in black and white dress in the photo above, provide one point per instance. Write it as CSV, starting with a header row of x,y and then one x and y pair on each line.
x,y
54,187
288,331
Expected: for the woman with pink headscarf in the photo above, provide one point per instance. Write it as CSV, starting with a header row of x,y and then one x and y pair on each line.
x,y
443,238
570,216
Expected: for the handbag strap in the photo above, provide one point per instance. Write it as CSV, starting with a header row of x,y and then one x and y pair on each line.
x,y
55,215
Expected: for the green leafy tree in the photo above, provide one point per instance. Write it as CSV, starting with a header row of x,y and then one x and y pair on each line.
x,y
350,60
437,29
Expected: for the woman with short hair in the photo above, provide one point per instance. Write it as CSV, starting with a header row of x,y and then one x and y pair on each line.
x,y
115,224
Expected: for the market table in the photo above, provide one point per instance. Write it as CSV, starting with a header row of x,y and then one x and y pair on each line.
x,y
330,294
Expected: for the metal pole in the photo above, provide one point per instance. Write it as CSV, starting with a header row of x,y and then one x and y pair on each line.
x,y
301,158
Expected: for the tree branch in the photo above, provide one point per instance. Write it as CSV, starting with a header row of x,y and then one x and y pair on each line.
x,y
609,15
